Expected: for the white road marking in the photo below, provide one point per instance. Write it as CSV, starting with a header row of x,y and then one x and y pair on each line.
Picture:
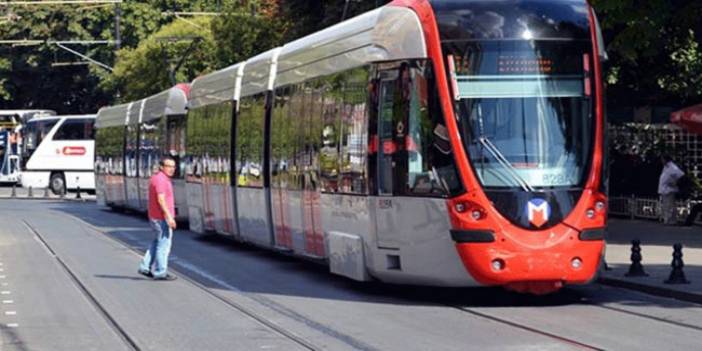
x,y
3,277
10,313
5,292
4,284
7,301
12,325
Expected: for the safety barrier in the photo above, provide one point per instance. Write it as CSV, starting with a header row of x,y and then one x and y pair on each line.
x,y
648,208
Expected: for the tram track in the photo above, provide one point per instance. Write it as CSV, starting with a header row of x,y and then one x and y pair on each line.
x,y
357,344
114,325
346,339
581,301
527,328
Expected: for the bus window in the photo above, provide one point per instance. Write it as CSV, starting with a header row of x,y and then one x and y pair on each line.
x,y
34,132
76,129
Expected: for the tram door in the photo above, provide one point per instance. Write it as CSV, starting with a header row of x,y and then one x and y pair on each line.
x,y
391,129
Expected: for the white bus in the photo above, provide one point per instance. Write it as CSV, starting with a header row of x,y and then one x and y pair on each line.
x,y
10,142
59,152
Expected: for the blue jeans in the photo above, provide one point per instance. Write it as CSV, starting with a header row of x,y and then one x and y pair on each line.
x,y
157,254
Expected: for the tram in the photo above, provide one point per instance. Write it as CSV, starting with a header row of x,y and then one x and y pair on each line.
x,y
130,139
443,142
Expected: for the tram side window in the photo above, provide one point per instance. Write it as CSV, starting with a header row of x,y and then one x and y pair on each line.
x,y
219,142
148,148
282,140
430,163
295,129
130,156
76,129
329,151
194,139
249,141
353,132
102,145
109,147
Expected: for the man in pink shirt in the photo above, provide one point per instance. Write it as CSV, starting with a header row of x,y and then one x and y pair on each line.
x,y
162,220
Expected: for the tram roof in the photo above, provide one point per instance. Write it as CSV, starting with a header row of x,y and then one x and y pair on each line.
x,y
215,87
259,72
387,33
112,116
169,102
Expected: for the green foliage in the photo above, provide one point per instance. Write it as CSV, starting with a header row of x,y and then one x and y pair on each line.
x,y
144,70
241,35
28,74
654,50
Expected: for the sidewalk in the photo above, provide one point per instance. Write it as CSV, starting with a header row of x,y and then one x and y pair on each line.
x,y
656,250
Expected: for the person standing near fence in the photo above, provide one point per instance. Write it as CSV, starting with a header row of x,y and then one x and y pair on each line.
x,y
667,188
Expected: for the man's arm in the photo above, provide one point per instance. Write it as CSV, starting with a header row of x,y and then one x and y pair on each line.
x,y
164,208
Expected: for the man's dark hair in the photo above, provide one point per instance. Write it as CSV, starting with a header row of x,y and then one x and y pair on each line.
x,y
163,160
666,157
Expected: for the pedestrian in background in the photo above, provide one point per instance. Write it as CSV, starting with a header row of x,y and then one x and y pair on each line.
x,y
668,188
162,221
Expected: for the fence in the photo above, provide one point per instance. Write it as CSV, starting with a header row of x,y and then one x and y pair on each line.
x,y
648,208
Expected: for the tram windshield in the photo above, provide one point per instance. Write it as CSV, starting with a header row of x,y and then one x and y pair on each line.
x,y
524,110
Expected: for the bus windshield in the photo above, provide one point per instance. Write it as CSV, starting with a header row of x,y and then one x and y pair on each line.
x,y
525,110
33,133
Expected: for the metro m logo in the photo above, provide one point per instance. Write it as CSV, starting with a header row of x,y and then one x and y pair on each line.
x,y
538,211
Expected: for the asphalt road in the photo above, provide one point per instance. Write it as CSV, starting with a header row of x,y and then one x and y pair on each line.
x,y
69,282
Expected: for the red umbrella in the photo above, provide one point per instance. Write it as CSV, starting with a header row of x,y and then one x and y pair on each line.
x,y
689,118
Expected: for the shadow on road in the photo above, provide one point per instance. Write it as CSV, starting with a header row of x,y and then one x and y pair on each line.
x,y
221,263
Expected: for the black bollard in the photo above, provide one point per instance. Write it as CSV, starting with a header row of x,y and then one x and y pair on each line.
x,y
14,191
46,192
677,276
62,194
30,193
636,269
78,197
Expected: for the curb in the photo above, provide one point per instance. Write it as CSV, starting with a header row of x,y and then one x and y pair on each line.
x,y
652,290
46,199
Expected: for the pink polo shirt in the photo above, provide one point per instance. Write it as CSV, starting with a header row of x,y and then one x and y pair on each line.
x,y
160,183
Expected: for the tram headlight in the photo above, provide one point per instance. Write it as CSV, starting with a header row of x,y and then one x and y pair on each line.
x,y
599,206
576,263
476,211
460,207
497,264
590,213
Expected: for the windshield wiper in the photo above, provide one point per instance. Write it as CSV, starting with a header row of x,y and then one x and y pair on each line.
x,y
495,152
503,161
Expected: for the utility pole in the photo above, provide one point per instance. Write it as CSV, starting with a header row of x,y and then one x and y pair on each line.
x,y
118,34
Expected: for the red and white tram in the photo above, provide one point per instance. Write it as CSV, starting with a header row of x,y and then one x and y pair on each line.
x,y
444,142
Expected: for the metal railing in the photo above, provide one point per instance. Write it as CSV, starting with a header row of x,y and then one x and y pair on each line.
x,y
648,208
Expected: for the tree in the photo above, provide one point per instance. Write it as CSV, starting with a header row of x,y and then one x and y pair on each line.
x,y
246,29
654,50
306,17
186,46
29,76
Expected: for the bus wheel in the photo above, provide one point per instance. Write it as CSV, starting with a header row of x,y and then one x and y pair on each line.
x,y
57,184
